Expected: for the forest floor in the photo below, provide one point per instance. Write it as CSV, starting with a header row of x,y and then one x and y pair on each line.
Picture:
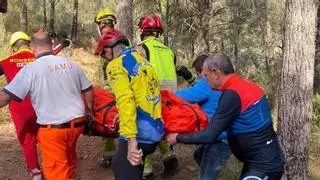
x,y
89,149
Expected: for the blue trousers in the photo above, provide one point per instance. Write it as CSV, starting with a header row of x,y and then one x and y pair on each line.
x,y
211,158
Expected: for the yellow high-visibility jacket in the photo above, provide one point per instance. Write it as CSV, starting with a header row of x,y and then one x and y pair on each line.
x,y
161,58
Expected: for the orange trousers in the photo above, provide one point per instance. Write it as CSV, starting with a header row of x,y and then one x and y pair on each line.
x,y
58,150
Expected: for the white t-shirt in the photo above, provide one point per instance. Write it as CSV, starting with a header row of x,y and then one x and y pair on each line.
x,y
54,85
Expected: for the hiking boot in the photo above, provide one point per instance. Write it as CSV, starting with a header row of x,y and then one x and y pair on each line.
x,y
198,153
35,174
170,164
105,161
147,173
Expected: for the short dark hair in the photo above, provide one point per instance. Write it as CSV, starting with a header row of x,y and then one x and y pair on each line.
x,y
43,39
21,43
198,63
221,62
150,33
108,23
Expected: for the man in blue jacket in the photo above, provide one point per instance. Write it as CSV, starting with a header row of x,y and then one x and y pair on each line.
x,y
217,153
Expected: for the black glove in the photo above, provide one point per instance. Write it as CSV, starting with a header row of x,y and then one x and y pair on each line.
x,y
65,43
88,125
184,72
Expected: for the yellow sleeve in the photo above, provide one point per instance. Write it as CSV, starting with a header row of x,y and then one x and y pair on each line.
x,y
119,82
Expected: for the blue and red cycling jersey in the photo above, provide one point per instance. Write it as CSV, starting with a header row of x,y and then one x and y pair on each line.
x,y
243,111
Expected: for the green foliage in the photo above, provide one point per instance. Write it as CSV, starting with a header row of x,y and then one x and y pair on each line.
x,y
235,27
316,110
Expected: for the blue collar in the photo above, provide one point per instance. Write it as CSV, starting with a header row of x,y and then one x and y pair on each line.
x,y
46,53
127,50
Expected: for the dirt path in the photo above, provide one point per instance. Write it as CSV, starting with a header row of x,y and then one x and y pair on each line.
x,y
89,150
12,166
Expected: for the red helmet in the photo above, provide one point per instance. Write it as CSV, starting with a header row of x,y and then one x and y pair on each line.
x,y
151,24
110,38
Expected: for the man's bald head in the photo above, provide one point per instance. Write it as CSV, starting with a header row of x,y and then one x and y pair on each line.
x,y
40,43
41,39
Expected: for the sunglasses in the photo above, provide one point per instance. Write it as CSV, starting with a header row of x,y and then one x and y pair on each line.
x,y
51,33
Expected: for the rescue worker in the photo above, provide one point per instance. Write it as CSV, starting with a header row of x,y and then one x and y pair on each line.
x,y
211,158
244,112
105,19
54,85
136,87
162,59
22,114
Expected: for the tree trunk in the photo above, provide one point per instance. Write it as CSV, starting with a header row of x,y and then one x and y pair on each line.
x,y
44,8
35,5
75,21
316,84
3,6
295,95
24,16
268,56
192,48
125,17
52,14
166,17
235,32
264,26
204,8
166,30
3,29
221,44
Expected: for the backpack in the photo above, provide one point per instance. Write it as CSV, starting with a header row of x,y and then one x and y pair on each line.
x,y
105,116
180,116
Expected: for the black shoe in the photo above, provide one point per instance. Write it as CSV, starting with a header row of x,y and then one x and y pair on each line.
x,y
170,164
148,176
105,161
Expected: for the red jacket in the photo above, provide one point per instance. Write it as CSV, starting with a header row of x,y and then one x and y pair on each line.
x,y
11,65
15,62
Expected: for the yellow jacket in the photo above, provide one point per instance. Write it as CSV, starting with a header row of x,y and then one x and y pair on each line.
x,y
136,87
162,59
